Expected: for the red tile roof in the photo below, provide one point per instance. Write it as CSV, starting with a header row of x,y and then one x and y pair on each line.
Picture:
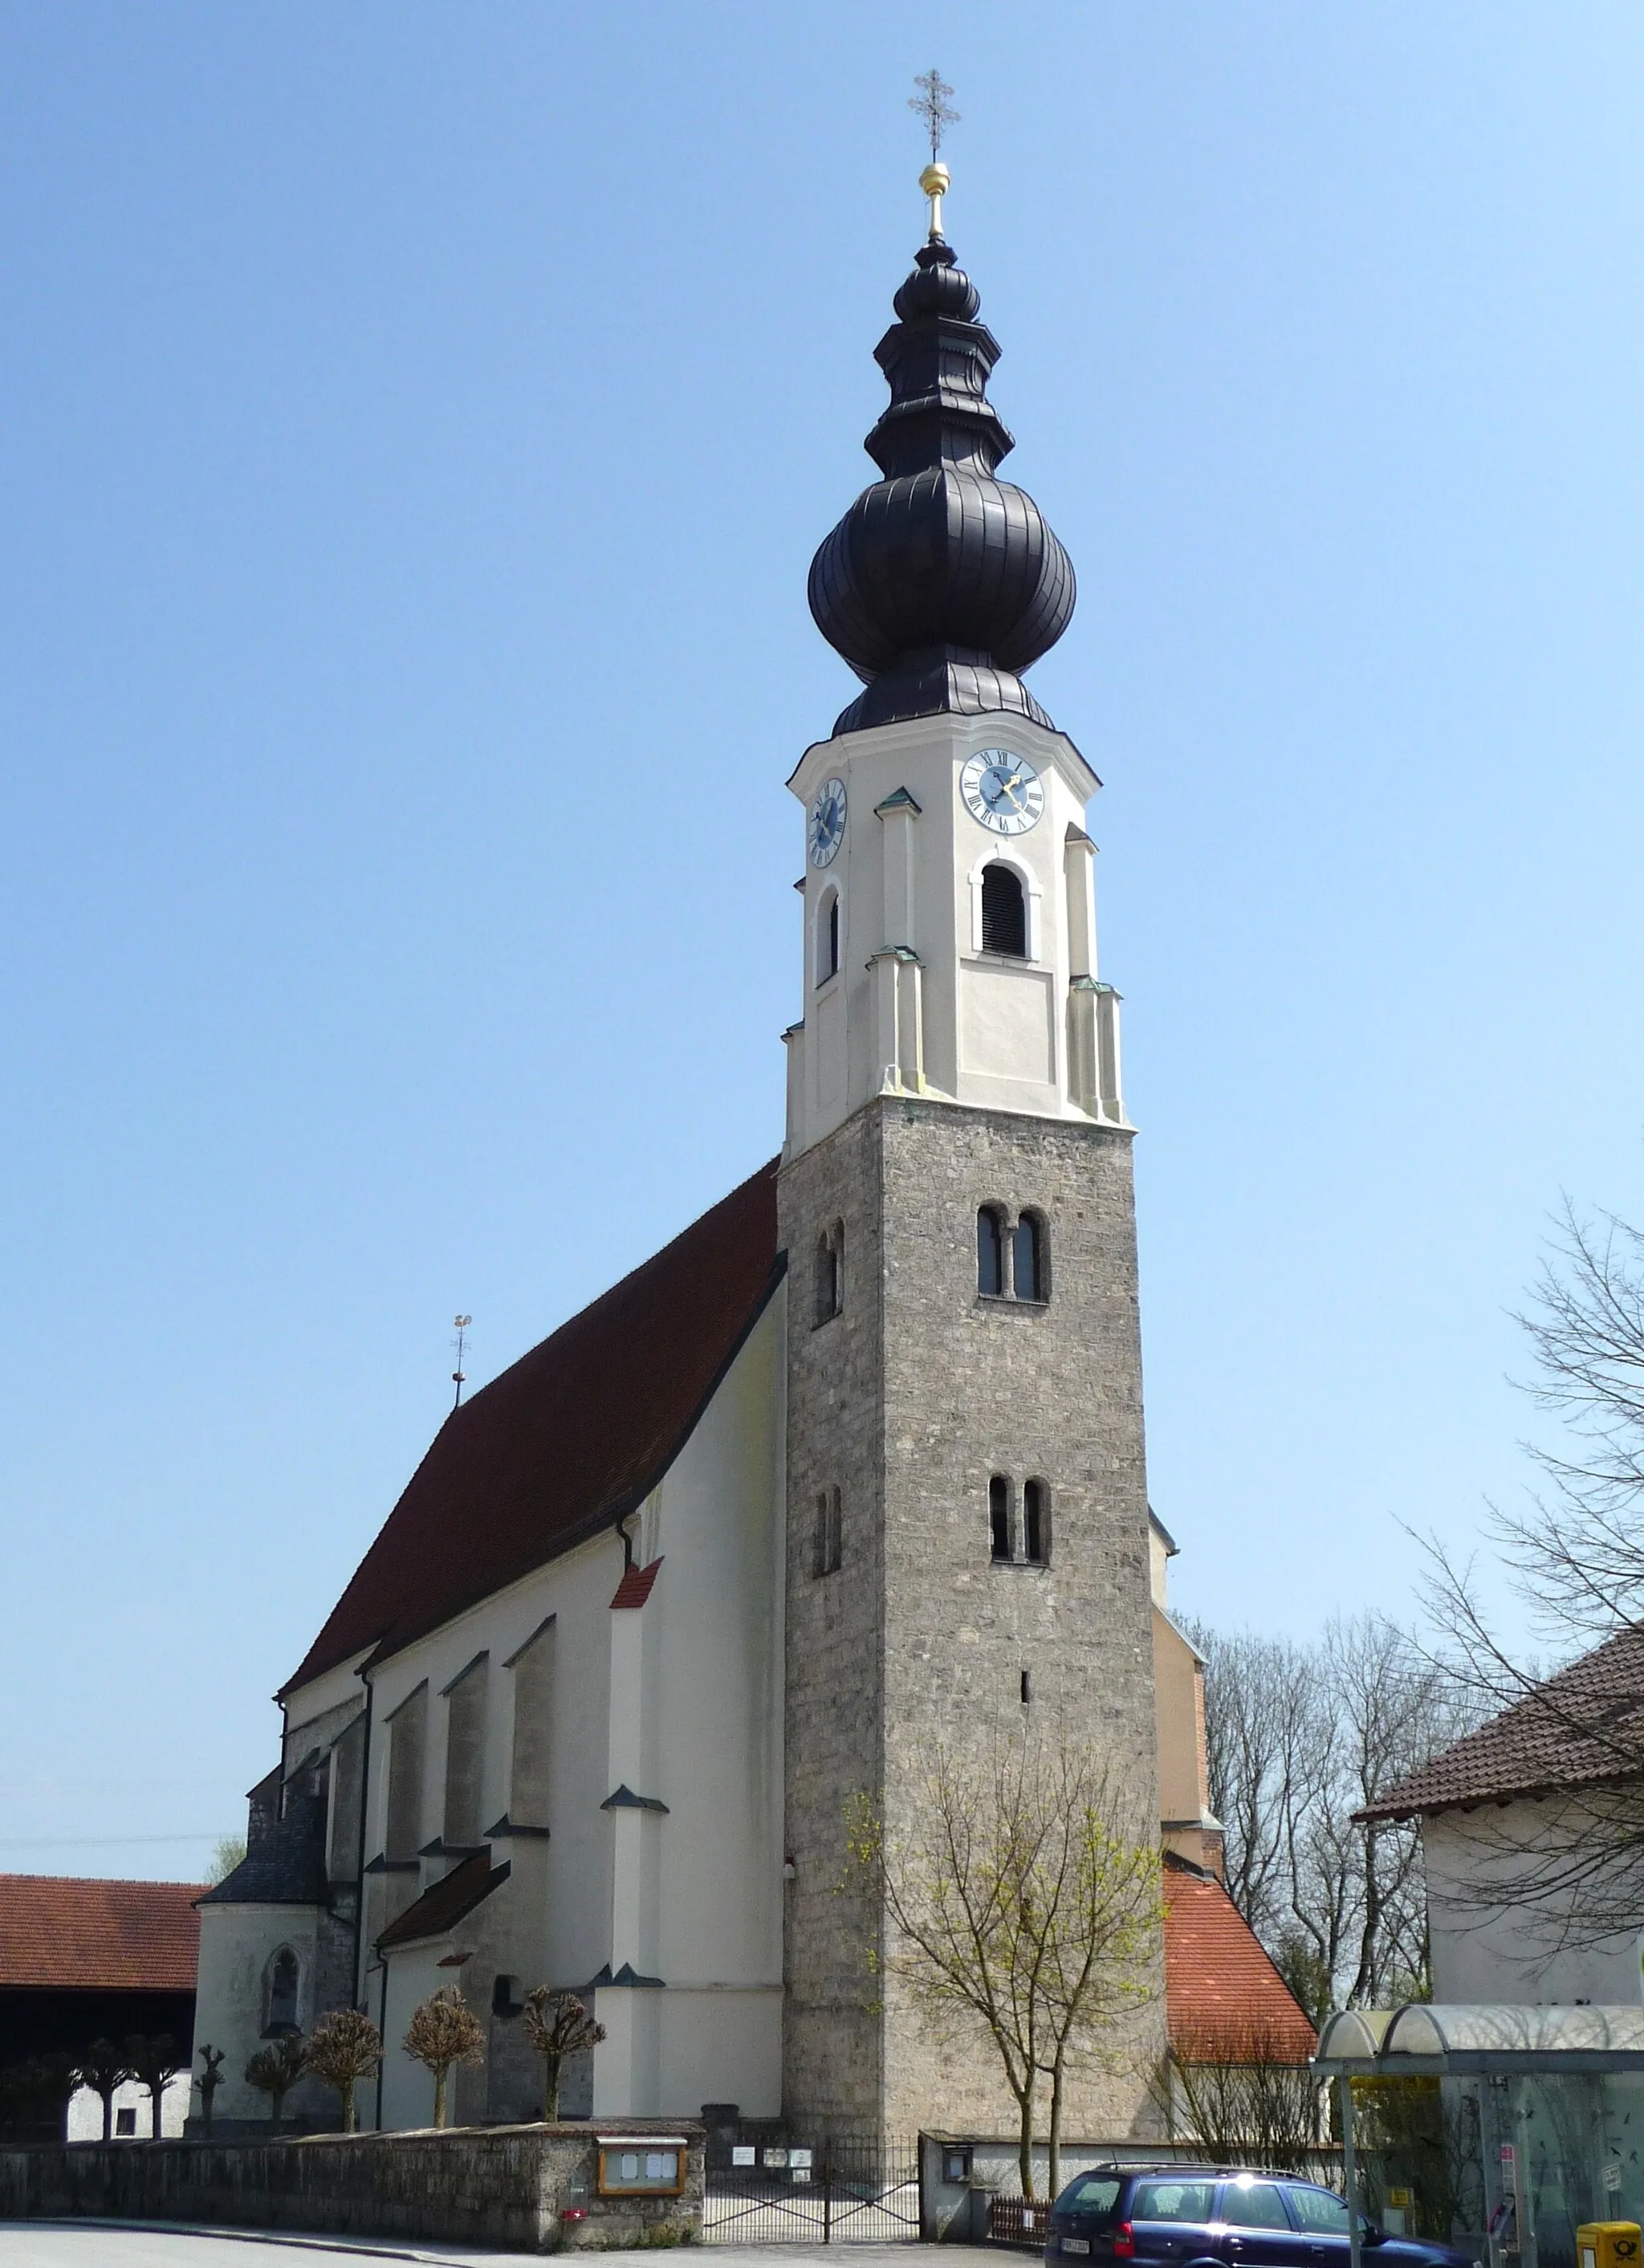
x,y
636,1586
573,1436
1221,1991
112,1937
1582,1727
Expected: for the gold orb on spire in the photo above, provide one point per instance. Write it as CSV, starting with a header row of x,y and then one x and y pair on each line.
x,y
934,181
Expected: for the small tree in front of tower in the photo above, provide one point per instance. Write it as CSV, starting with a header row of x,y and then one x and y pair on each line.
x,y
1014,1896
444,2030
557,2025
211,2078
344,2048
275,2070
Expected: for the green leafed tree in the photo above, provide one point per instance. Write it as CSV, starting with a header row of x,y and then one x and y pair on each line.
x,y
1016,1898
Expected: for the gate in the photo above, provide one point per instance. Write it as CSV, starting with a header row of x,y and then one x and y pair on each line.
x,y
847,2190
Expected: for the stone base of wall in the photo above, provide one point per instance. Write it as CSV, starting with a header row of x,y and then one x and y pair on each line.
x,y
531,2188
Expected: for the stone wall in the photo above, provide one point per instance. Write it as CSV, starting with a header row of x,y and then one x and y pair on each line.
x,y
907,1401
509,2187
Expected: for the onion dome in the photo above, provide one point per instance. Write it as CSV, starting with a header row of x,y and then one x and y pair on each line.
x,y
942,583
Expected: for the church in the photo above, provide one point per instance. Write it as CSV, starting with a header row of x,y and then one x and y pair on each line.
x,y
852,1468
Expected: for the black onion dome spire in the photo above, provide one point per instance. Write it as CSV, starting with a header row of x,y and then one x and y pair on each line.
x,y
941,584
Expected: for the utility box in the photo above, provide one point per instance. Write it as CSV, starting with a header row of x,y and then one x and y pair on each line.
x,y
1607,2244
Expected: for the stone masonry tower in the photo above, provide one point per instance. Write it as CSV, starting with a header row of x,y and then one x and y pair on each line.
x,y
967,1548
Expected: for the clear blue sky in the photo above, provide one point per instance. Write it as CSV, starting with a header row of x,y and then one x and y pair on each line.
x,y
416,422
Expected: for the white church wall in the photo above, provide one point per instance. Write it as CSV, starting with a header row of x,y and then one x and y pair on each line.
x,y
681,1701
1509,1951
237,1942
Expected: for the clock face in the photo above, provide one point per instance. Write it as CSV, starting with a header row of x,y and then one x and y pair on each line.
x,y
825,830
1002,790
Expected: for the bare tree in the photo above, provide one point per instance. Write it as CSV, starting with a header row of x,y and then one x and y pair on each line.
x,y
1015,1899
1299,1738
1236,2091
210,2079
103,2068
557,2025
344,2047
275,2070
154,2063
1573,1554
444,2030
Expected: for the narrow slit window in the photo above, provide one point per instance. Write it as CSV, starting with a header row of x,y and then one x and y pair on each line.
x,y
830,1272
1026,1687
999,1515
1028,1257
990,1253
1003,912
829,1554
1036,1525
828,938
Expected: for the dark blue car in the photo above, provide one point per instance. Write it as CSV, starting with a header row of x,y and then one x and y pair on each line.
x,y
1210,2217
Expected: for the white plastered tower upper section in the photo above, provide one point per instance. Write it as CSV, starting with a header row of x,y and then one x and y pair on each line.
x,y
915,1004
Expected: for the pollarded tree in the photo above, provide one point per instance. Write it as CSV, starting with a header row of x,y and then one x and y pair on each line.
x,y
557,2025
275,2070
103,2068
211,2080
1015,1896
344,2048
443,2032
154,2064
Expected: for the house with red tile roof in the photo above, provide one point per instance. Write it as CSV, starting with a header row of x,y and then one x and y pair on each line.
x,y
1512,1817
83,1960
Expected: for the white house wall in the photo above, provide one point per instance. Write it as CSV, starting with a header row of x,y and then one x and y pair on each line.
x,y
1507,1953
236,1944
681,1701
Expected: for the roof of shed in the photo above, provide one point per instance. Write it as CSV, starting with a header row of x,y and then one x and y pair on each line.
x,y
568,1440
1582,1727
1222,1992
58,1932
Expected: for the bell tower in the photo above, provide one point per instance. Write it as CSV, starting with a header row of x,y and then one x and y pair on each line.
x,y
966,1540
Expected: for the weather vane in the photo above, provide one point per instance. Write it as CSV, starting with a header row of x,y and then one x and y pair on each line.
x,y
460,1342
931,104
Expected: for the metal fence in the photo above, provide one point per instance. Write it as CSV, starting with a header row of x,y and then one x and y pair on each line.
x,y
844,2190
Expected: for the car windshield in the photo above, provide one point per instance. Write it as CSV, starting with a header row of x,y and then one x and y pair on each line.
x,y
1090,2193
1319,2213
1173,2200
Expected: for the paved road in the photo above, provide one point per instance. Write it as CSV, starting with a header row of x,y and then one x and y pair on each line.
x,y
69,2245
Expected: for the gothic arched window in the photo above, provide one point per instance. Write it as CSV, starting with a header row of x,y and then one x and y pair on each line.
x,y
280,1981
999,1515
990,1252
1003,912
1030,1255
1035,1523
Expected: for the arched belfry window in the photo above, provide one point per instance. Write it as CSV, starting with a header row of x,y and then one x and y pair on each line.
x,y
828,938
280,1982
990,1252
999,1515
1028,1257
1003,912
1035,1523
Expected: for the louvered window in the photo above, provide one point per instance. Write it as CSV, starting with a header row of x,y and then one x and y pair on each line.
x,y
1003,912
